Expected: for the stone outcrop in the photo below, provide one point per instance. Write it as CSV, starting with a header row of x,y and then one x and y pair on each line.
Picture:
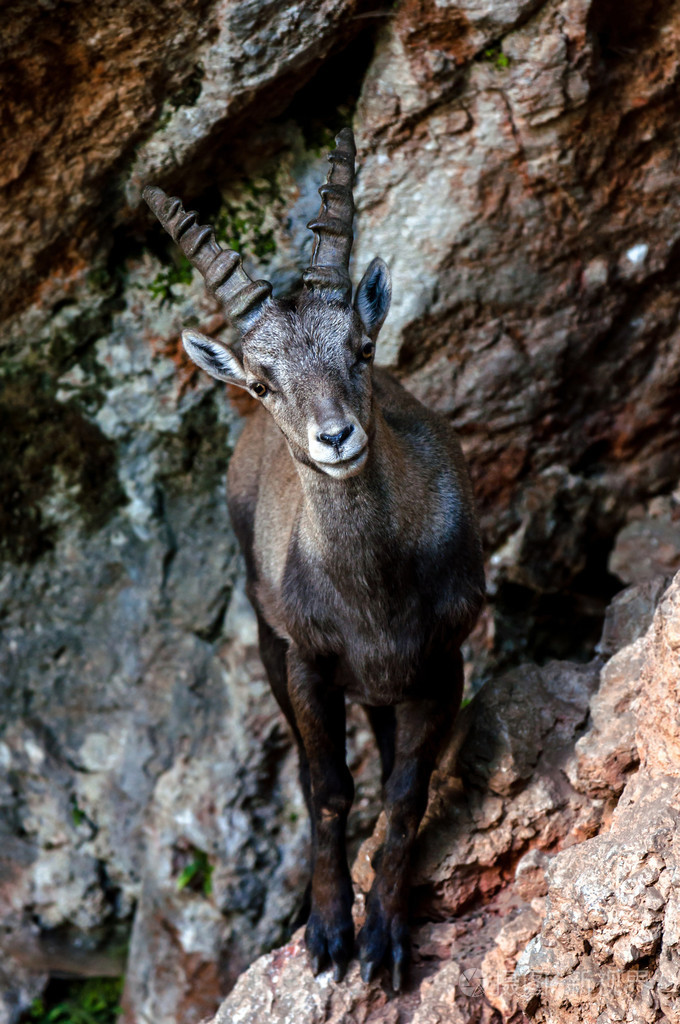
x,y
610,938
556,890
518,172
130,91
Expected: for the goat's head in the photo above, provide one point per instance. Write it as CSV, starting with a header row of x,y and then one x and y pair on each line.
x,y
308,361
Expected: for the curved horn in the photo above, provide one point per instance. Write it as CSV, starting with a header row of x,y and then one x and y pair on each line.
x,y
220,268
329,268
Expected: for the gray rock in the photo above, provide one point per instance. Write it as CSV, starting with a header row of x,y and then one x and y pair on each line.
x,y
518,172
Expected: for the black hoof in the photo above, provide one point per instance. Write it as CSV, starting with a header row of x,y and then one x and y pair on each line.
x,y
339,972
368,971
329,941
317,964
384,941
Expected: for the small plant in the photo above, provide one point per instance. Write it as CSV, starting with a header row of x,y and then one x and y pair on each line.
x,y
95,1001
241,223
197,874
99,278
189,92
186,96
494,55
162,284
77,814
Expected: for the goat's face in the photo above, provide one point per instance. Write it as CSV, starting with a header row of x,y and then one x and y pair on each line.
x,y
315,364
309,363
310,366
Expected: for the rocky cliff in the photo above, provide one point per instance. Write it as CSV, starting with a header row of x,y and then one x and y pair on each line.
x,y
547,873
518,167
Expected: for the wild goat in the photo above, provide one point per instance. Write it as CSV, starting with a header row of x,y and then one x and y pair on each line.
x,y
353,507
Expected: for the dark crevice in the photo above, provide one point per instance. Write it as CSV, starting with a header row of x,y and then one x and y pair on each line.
x,y
213,631
170,537
327,103
607,346
621,28
320,98
566,625
45,439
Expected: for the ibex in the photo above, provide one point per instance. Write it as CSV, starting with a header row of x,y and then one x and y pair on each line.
x,y
353,507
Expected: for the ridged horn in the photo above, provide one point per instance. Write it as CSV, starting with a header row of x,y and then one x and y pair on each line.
x,y
329,268
220,268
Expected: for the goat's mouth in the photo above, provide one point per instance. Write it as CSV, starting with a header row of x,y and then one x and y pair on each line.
x,y
340,469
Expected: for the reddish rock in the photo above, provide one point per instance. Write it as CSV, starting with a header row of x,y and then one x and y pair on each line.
x,y
610,936
98,95
649,547
585,928
525,200
658,700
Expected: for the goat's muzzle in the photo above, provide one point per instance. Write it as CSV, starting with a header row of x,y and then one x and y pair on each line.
x,y
338,446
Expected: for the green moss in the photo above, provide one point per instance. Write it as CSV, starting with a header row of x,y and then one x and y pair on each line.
x,y
177,273
186,96
165,119
95,1001
197,874
77,815
494,55
240,223
320,138
46,442
100,278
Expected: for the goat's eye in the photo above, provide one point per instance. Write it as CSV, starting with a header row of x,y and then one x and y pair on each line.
x,y
259,389
367,350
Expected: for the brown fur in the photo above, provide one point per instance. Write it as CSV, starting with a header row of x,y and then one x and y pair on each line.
x,y
354,511
364,588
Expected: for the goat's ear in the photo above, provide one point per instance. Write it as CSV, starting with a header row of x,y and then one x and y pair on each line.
x,y
372,300
217,360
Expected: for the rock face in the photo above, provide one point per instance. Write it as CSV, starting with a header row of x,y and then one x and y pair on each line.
x,y
557,891
132,90
518,173
524,233
610,936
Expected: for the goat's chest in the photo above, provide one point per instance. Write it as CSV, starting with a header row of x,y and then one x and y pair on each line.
x,y
365,608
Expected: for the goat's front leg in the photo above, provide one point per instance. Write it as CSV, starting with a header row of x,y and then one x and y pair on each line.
x,y
421,729
319,709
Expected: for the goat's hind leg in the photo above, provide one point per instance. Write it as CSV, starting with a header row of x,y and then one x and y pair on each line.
x,y
273,652
319,709
422,726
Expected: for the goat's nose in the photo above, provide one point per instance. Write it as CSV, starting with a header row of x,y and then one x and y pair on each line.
x,y
337,438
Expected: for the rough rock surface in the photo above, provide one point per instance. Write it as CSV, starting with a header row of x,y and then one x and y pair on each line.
x,y
132,91
610,941
649,545
550,907
527,269
518,172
